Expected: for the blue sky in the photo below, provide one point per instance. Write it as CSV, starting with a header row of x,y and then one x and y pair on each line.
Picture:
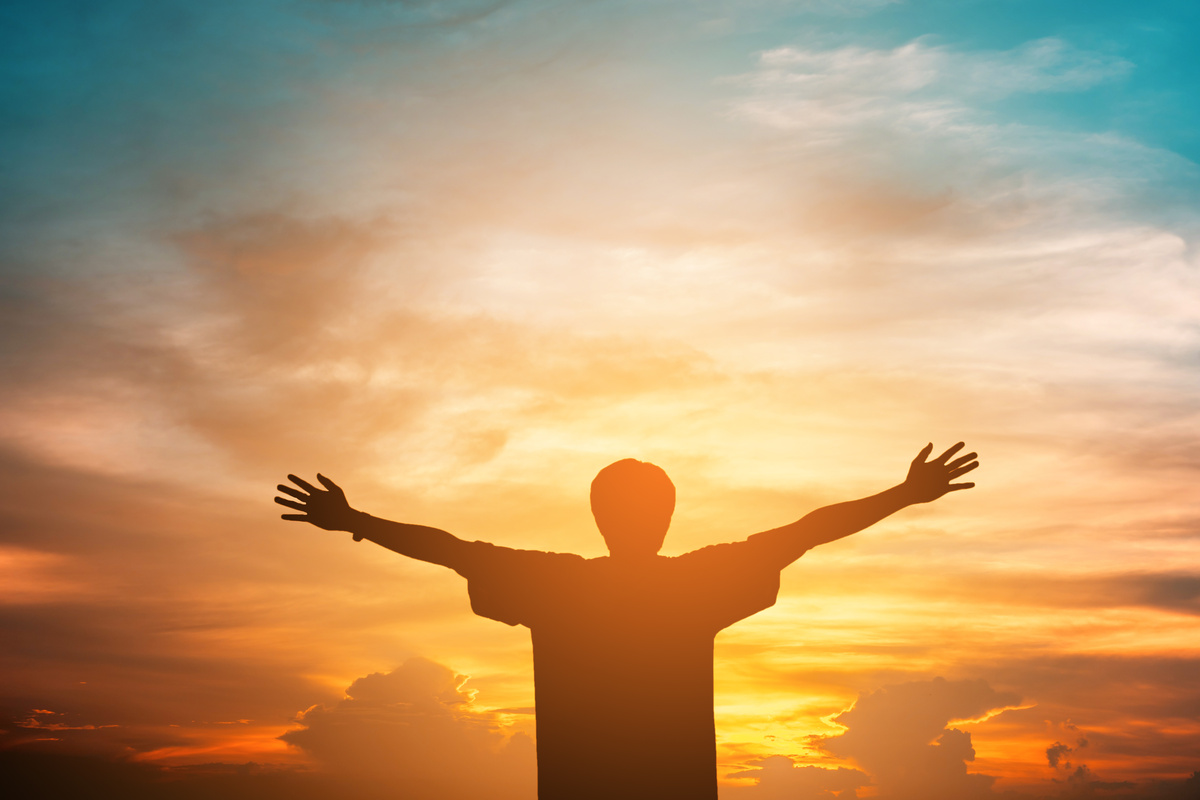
x,y
122,89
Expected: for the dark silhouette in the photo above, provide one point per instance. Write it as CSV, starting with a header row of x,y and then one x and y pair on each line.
x,y
622,645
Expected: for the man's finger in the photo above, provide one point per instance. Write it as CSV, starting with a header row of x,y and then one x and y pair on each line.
x,y
946,455
299,495
328,484
924,454
303,484
291,504
958,462
954,487
295,517
954,473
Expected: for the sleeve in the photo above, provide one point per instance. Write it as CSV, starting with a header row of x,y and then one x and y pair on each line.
x,y
511,586
733,581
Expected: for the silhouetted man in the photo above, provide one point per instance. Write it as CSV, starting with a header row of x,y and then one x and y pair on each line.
x,y
622,645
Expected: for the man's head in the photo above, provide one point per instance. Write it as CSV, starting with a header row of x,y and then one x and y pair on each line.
x,y
632,502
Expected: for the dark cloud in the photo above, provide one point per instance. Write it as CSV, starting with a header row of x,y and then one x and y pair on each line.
x,y
1176,591
47,776
1168,591
412,731
1106,699
1083,782
1056,753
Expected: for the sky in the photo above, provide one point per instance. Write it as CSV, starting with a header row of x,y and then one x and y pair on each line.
x,y
458,255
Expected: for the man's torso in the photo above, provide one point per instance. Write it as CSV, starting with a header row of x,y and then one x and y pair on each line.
x,y
623,661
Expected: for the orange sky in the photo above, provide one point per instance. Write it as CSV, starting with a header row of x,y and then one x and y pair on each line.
x,y
460,273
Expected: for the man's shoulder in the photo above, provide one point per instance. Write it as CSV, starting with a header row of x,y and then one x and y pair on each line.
x,y
755,549
488,557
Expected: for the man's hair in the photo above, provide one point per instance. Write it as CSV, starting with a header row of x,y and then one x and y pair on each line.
x,y
632,502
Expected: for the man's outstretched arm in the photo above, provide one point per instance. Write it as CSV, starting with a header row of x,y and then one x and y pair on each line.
x,y
926,482
327,508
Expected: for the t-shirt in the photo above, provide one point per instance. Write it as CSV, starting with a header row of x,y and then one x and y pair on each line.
x,y
622,658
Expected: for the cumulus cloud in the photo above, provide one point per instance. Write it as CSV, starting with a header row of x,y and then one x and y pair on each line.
x,y
900,735
414,729
1056,752
904,740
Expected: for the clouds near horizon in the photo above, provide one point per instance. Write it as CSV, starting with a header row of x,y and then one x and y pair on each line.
x,y
413,728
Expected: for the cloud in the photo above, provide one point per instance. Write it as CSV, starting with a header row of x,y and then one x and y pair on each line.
x,y
160,645
905,741
1173,592
48,775
1061,251
1083,782
838,98
852,74
280,339
916,125
1056,752
900,736
779,778
414,728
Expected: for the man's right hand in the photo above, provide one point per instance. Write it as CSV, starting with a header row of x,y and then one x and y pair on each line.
x,y
325,508
929,480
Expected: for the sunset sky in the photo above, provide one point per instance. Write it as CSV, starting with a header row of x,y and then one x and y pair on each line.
x,y
458,255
